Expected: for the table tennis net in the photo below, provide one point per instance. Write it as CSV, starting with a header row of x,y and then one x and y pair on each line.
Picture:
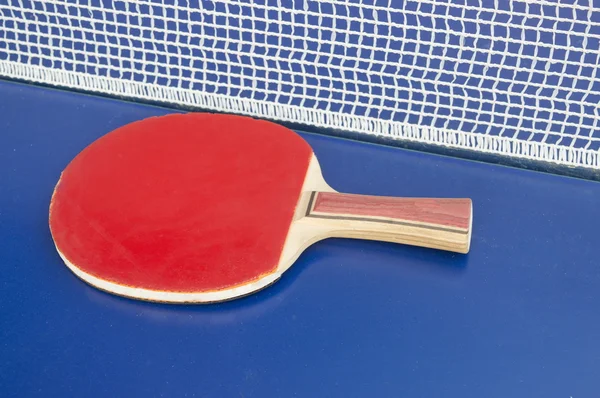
x,y
515,78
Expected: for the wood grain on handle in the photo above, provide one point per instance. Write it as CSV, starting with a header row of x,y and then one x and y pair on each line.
x,y
436,223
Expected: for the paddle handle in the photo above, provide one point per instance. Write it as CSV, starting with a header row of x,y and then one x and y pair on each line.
x,y
435,223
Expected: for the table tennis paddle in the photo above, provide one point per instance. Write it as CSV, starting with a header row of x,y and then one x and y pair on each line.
x,y
190,208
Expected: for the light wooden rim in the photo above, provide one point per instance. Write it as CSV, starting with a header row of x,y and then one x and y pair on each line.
x,y
171,297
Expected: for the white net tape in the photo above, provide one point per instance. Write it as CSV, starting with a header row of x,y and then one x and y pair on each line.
x,y
519,78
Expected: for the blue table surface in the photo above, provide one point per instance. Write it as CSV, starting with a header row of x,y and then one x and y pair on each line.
x,y
516,317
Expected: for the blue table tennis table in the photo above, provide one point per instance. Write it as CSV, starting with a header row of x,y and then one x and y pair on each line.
x,y
516,317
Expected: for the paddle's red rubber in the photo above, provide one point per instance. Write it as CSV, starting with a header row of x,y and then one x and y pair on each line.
x,y
181,203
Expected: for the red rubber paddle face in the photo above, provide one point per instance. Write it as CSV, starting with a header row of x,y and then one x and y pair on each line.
x,y
181,203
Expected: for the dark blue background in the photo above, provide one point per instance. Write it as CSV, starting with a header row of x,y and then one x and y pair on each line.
x,y
517,317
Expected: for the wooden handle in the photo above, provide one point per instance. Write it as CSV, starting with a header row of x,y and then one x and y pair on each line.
x,y
435,223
